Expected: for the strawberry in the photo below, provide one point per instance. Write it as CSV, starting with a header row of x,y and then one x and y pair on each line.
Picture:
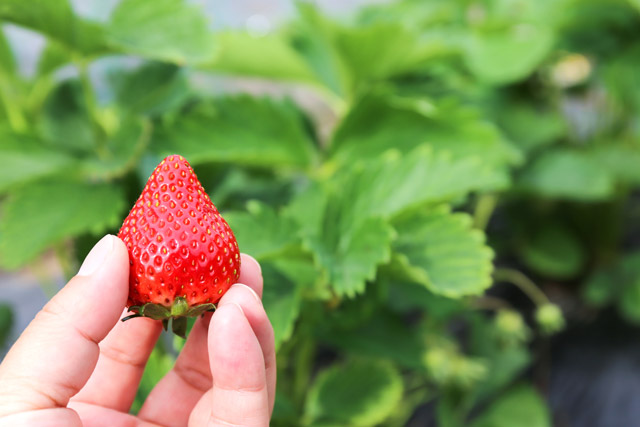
x,y
183,256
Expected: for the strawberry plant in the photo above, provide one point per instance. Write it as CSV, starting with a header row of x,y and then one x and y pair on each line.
x,y
404,175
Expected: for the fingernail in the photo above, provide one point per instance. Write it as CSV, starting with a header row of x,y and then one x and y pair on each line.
x,y
96,257
255,295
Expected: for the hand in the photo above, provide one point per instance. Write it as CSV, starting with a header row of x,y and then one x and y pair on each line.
x,y
77,364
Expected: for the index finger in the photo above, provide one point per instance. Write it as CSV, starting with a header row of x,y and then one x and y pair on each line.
x,y
57,352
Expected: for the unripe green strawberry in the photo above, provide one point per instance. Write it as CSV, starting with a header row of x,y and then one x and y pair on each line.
x,y
183,256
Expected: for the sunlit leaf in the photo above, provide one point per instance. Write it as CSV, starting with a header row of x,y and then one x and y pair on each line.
x,y
55,19
394,183
269,56
351,257
406,123
444,253
382,50
508,55
255,131
169,30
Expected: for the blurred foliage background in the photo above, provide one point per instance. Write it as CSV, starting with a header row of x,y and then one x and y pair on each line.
x,y
428,185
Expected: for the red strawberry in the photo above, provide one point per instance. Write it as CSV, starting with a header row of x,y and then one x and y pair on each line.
x,y
182,254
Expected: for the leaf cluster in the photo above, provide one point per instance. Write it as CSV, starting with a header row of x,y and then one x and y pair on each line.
x,y
409,157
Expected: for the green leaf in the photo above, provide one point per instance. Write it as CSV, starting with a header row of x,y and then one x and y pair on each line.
x,y
44,213
444,253
314,39
554,252
383,49
406,123
618,283
567,174
261,231
7,60
358,393
153,89
405,296
505,365
505,361
521,406
629,300
65,121
308,207
123,151
55,19
351,257
351,238
284,281
53,56
241,129
25,160
6,323
530,128
384,335
394,184
621,160
269,56
167,30
599,289
508,55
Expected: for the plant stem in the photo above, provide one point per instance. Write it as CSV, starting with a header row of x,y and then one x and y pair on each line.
x,y
92,107
526,285
304,358
485,206
490,303
16,118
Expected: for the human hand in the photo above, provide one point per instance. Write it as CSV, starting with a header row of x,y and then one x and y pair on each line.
x,y
77,364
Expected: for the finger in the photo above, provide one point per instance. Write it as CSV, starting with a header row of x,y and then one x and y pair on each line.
x,y
250,273
189,378
251,305
97,416
239,395
191,375
57,352
52,417
123,356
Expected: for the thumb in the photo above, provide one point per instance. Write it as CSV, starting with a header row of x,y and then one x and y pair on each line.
x,y
56,354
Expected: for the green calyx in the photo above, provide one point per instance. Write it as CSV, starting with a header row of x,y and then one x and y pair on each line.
x,y
176,314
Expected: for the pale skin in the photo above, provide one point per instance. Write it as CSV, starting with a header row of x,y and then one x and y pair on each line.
x,y
76,364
